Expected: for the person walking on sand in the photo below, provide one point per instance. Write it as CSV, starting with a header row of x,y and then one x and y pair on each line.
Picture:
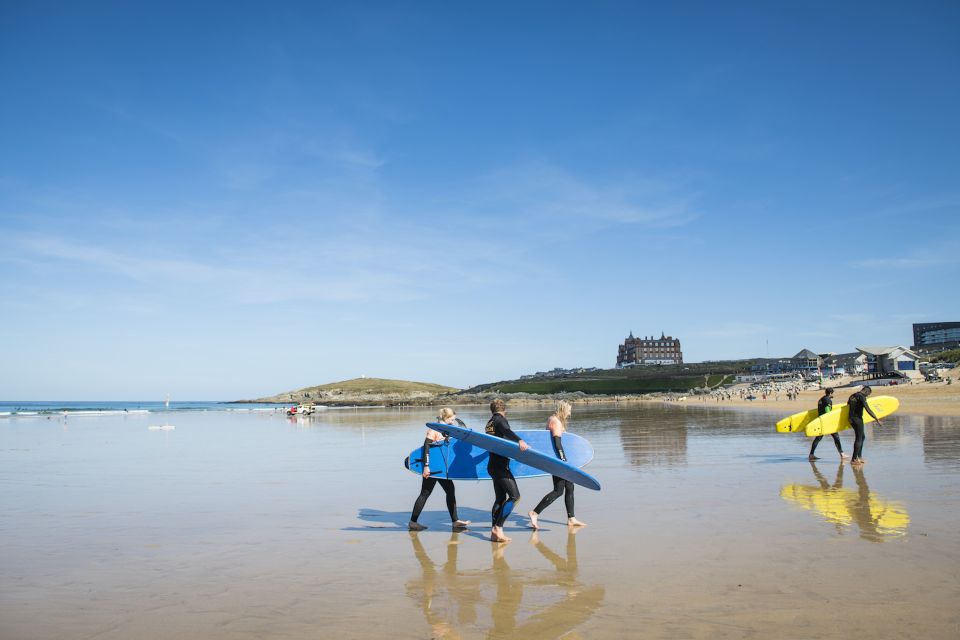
x,y
447,416
825,405
506,492
557,424
857,403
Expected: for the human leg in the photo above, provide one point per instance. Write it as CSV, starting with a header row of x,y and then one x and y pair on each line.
x,y
426,488
813,447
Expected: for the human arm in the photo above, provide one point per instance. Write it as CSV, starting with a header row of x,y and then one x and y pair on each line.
x,y
556,436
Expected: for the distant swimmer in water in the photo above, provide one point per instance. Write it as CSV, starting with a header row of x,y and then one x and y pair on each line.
x,y
824,406
858,404
447,416
506,492
557,424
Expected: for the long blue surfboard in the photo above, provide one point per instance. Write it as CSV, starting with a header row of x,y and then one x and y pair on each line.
x,y
547,462
460,460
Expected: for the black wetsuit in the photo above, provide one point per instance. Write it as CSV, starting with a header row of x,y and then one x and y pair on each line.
x,y
857,403
505,489
825,405
561,487
428,484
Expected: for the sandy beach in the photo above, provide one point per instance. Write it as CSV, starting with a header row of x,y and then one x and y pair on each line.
x,y
246,525
922,398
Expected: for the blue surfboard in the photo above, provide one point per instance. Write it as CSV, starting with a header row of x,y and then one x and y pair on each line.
x,y
547,462
460,460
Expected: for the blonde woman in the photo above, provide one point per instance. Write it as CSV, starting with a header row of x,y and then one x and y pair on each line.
x,y
557,424
447,416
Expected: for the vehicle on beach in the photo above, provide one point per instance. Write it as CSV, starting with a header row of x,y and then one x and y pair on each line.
x,y
305,409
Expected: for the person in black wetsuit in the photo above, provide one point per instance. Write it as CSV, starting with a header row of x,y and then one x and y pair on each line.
x,y
426,488
825,405
506,492
857,404
557,424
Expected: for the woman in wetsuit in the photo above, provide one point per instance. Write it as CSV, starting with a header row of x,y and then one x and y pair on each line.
x,y
557,424
446,416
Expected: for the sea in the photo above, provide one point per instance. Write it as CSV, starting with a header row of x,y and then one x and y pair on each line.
x,y
46,408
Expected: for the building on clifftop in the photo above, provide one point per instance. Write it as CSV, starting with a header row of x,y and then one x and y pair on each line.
x,y
636,352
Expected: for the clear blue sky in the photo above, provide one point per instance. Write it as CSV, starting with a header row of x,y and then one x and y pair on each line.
x,y
225,200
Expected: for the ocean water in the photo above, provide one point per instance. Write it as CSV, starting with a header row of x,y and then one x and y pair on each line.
x,y
251,524
25,409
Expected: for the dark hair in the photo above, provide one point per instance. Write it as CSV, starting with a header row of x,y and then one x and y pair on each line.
x,y
828,391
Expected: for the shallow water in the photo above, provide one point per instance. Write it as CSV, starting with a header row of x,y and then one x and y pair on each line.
x,y
254,525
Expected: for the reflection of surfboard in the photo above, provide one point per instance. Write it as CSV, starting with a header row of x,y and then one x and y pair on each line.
x,y
460,460
875,516
509,449
838,420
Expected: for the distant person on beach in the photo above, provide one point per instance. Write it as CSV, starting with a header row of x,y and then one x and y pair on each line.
x,y
824,406
447,416
557,424
506,492
857,404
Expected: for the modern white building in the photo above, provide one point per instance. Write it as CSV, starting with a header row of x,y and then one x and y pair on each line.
x,y
882,361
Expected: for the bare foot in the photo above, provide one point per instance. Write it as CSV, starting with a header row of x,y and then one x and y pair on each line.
x,y
533,519
857,462
573,522
844,456
813,457
461,524
496,535
415,526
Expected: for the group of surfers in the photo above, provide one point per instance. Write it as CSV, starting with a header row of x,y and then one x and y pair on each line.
x,y
857,404
506,492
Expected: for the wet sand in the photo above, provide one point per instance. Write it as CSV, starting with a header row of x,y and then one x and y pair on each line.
x,y
248,526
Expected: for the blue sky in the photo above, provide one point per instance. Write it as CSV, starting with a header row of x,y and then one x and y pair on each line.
x,y
227,200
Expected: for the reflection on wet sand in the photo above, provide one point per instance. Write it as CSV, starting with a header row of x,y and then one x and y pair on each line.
x,y
450,598
941,441
876,518
654,437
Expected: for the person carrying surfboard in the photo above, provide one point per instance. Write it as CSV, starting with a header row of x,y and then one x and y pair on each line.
x,y
857,404
825,405
506,492
446,416
557,424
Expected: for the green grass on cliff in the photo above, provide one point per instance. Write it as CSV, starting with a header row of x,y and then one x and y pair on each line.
x,y
611,386
359,386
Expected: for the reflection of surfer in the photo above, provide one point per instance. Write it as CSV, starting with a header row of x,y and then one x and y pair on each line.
x,y
557,424
446,416
824,406
506,492
427,590
857,404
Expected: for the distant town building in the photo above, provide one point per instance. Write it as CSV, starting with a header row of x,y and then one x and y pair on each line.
x,y
882,361
636,352
805,363
931,337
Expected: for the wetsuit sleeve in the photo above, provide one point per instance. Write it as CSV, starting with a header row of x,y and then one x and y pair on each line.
x,y
558,447
426,452
505,431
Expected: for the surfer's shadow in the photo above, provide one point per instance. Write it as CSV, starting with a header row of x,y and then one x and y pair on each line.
x,y
773,459
397,520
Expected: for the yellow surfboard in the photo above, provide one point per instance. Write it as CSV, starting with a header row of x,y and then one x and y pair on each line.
x,y
838,420
799,421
